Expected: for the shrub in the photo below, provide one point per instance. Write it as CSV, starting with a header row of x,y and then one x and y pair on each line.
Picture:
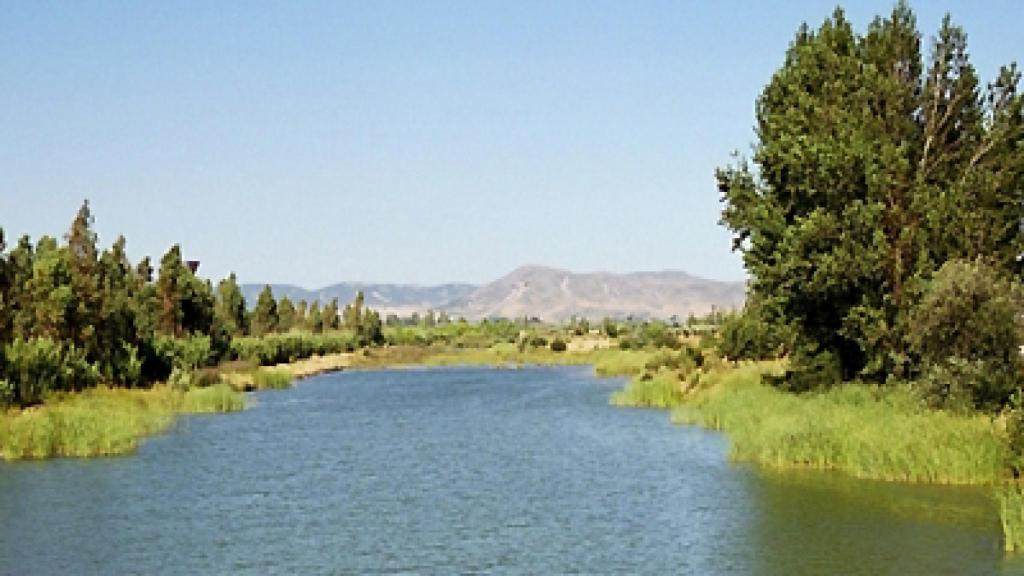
x,y
283,348
186,353
966,332
752,335
558,345
37,366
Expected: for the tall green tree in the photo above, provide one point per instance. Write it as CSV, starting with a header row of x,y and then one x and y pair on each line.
x,y
353,314
230,307
301,311
332,321
170,289
118,334
286,319
315,320
83,267
48,296
872,170
263,319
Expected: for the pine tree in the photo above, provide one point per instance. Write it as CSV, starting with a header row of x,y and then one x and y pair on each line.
x,y
315,320
286,319
170,289
230,307
83,267
264,316
330,315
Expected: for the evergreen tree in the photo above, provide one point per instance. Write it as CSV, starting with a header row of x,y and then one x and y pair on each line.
x,y
20,264
6,306
353,315
315,320
145,300
230,307
286,319
264,316
83,268
170,289
331,319
117,333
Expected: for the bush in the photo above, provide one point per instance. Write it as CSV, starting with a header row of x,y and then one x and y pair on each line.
x,y
284,348
752,335
186,354
966,334
558,345
40,365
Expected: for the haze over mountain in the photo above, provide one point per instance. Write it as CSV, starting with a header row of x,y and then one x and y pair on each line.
x,y
547,293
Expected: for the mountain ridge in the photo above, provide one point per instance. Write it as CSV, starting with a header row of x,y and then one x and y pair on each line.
x,y
535,290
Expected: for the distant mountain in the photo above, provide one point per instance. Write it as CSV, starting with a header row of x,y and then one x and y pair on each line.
x,y
555,295
547,293
387,298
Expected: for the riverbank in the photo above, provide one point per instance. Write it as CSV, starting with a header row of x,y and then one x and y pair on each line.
x,y
864,431
107,421
104,421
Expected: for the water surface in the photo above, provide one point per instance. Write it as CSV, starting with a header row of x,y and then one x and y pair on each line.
x,y
466,471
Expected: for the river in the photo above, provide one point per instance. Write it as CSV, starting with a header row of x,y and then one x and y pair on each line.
x,y
470,471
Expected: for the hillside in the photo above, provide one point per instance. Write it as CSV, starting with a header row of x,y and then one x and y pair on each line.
x,y
547,293
387,298
553,294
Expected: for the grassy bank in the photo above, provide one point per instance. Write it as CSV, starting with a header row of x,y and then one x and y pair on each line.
x,y
865,431
246,377
104,421
868,432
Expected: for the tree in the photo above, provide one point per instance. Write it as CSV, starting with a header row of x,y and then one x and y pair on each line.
x,y
83,269
331,319
48,297
230,307
865,165
315,321
264,316
118,335
353,315
6,305
286,319
967,331
371,331
170,288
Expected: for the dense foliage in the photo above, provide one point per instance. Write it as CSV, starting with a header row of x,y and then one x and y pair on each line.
x,y
73,316
873,170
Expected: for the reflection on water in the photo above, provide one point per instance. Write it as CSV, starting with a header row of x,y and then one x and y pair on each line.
x,y
470,470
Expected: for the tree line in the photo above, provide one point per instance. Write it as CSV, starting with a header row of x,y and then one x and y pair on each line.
x,y
881,216
73,315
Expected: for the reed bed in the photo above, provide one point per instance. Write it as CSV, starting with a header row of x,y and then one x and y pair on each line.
x,y
866,431
104,421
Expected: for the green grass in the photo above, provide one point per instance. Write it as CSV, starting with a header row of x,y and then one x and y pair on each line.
x,y
212,399
272,378
1011,515
869,432
614,362
103,421
662,390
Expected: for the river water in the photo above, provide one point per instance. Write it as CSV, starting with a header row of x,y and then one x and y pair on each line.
x,y
470,471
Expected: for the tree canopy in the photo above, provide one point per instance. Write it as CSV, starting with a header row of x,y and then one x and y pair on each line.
x,y
872,169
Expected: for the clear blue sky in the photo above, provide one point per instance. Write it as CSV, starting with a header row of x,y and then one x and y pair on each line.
x,y
402,141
